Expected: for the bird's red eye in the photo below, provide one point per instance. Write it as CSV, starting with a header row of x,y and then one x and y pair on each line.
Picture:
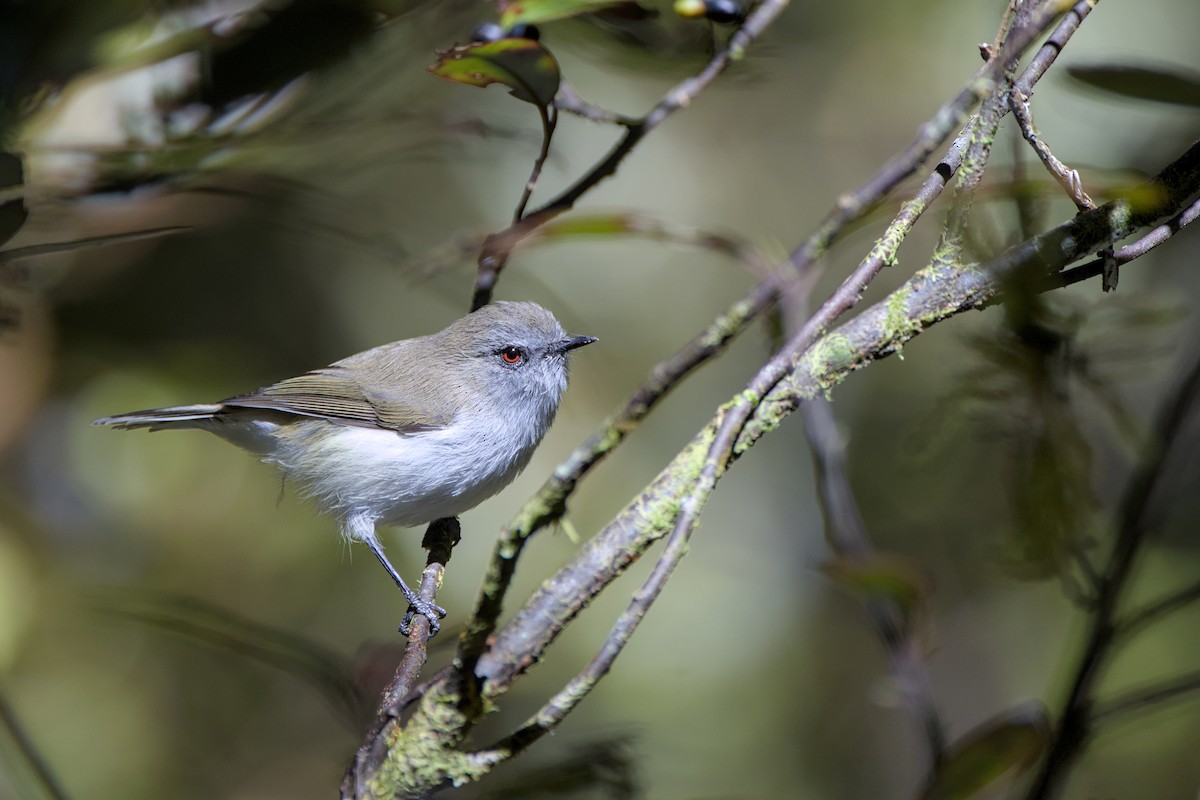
x,y
511,355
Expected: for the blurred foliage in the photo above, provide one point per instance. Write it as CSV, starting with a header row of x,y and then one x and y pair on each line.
x,y
200,197
524,66
1160,84
996,752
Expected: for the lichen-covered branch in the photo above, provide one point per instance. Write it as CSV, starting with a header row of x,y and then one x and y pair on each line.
x,y
935,293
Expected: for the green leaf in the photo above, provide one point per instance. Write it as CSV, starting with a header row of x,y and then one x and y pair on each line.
x,y
590,225
992,755
523,65
882,576
1160,84
532,11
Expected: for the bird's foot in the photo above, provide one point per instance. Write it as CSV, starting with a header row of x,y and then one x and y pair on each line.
x,y
427,609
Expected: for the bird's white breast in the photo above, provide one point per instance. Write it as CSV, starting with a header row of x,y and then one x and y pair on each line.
x,y
398,479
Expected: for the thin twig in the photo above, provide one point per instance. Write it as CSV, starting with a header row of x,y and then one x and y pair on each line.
x,y
1144,698
558,707
1077,718
492,261
1152,612
679,97
1067,178
844,526
569,100
1129,252
549,117
945,121
847,535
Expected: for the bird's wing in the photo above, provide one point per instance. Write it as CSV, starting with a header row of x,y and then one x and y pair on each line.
x,y
329,394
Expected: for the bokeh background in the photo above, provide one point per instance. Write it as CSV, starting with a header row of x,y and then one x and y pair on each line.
x,y
338,224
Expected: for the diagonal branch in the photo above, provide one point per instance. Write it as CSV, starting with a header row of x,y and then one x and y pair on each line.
x,y
551,501
936,293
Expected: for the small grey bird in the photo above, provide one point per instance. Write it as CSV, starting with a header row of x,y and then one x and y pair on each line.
x,y
406,433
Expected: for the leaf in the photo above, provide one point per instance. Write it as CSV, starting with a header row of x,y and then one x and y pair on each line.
x,y
590,225
523,65
882,576
13,213
993,754
1160,84
533,11
51,248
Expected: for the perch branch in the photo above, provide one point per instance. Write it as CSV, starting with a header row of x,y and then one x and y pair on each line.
x,y
425,753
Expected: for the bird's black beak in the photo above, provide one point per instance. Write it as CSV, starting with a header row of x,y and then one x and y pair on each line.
x,y
565,345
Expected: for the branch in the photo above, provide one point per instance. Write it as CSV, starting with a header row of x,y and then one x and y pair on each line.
x,y
1131,251
548,507
1152,612
847,535
550,502
679,97
440,539
1067,178
934,294
492,260
949,118
549,117
1144,698
1078,716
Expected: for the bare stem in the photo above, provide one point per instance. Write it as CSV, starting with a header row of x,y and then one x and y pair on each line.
x,y
1152,612
679,97
1078,716
1146,698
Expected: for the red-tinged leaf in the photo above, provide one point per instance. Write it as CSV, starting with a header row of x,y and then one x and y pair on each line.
x,y
535,11
523,65
1160,84
991,756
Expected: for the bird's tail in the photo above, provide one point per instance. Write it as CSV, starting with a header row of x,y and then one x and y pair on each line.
x,y
159,418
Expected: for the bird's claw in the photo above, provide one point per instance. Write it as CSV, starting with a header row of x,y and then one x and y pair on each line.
x,y
430,611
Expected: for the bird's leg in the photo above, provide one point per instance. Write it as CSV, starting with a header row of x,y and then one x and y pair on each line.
x,y
416,603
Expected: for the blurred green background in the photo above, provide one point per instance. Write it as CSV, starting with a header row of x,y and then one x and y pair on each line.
x,y
334,227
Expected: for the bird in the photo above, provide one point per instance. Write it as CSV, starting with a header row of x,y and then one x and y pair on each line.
x,y
405,433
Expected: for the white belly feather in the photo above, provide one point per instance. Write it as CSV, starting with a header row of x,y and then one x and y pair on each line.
x,y
388,477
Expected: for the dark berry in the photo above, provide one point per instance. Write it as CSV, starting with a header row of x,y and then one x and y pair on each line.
x,y
523,30
724,12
